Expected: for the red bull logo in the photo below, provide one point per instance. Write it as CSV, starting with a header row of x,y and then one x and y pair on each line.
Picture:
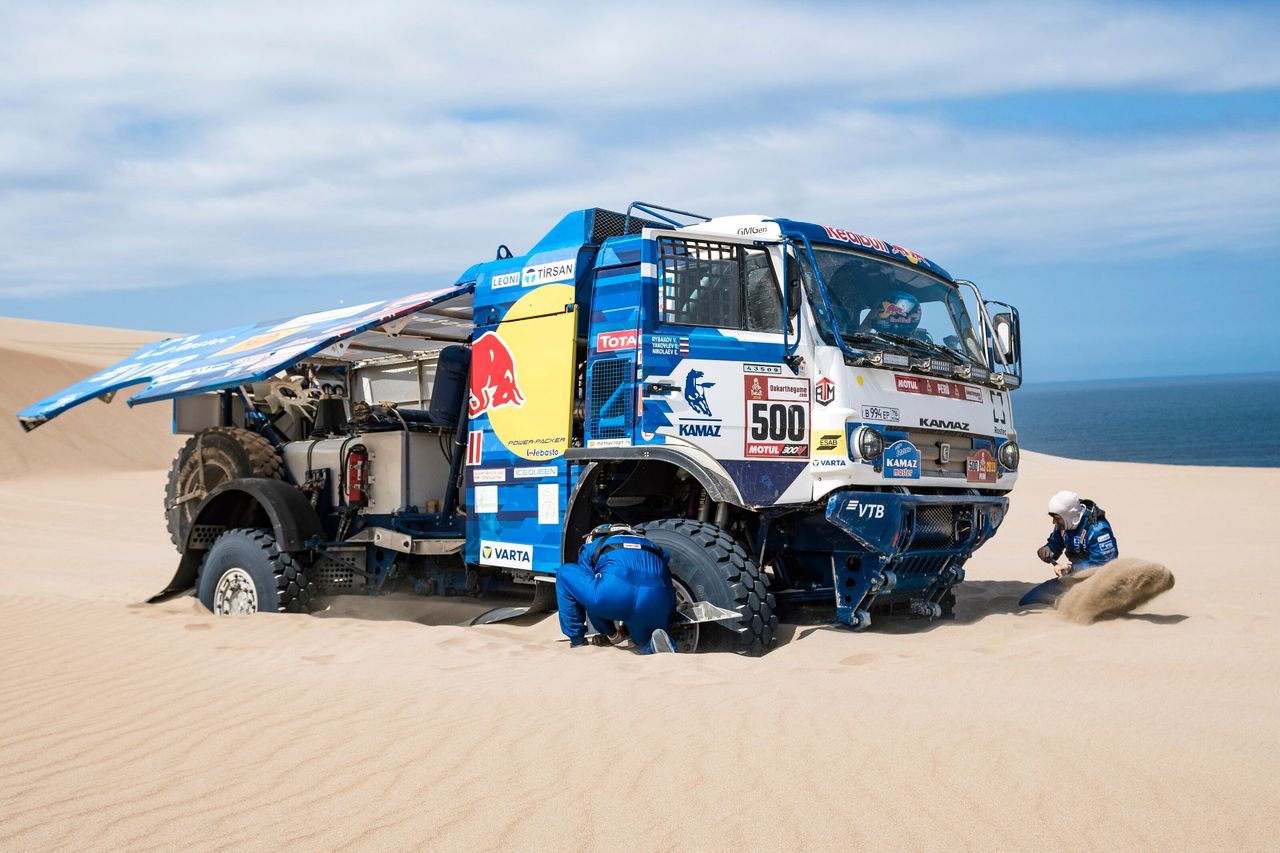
x,y
493,376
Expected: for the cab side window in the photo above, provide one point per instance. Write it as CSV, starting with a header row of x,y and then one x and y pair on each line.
x,y
764,301
723,285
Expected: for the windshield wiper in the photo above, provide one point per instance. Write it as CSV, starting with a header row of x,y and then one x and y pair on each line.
x,y
928,346
876,337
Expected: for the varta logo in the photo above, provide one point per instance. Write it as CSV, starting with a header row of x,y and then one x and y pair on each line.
x,y
505,554
705,430
938,424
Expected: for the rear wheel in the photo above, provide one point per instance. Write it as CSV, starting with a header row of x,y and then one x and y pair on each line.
x,y
713,566
246,572
208,459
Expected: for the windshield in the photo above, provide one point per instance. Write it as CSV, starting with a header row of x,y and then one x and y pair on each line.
x,y
883,305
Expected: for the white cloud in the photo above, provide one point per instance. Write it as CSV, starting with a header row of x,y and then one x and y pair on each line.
x,y
145,144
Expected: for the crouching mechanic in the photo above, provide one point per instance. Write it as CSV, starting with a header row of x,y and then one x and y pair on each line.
x,y
622,577
1081,531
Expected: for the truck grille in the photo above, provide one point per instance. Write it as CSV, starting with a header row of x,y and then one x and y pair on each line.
x,y
962,446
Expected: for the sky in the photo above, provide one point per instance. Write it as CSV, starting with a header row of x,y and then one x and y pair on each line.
x,y
1111,169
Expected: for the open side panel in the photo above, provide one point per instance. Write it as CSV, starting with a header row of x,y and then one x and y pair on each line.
x,y
230,358
521,407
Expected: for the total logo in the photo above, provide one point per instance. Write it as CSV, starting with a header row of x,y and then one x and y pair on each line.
x,y
548,273
506,555
614,341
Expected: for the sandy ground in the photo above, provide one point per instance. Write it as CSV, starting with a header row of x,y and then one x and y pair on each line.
x,y
384,724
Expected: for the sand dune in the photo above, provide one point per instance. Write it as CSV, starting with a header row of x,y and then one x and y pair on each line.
x,y
125,725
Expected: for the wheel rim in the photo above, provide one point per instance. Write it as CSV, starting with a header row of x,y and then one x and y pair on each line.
x,y
684,637
235,594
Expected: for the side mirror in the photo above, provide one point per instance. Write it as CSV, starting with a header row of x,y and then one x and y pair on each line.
x,y
1006,334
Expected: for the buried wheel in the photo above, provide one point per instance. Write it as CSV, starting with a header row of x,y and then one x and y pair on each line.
x,y
245,572
209,458
707,564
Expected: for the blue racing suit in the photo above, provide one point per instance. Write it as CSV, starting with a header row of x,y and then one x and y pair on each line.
x,y
1090,544
619,578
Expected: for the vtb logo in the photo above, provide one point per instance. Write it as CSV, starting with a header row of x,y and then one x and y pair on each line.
x,y
493,376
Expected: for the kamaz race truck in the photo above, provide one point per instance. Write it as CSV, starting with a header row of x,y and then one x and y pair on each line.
x,y
812,422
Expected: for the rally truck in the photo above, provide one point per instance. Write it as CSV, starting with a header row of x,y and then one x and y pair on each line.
x,y
814,423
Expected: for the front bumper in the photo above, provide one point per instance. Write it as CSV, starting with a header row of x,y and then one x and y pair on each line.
x,y
911,549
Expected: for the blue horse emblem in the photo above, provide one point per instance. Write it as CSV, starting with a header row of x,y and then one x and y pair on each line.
x,y
695,392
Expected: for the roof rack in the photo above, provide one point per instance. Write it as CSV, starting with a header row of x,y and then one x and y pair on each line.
x,y
653,210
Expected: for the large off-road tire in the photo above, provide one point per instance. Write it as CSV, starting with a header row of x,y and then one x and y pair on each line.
x,y
209,458
715,567
246,572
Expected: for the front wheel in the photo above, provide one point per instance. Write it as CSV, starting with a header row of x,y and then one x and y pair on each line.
x,y
713,566
246,572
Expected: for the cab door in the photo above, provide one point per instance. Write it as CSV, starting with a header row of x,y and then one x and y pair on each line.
x,y
714,371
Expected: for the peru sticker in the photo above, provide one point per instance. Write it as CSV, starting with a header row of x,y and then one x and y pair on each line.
x,y
980,467
475,447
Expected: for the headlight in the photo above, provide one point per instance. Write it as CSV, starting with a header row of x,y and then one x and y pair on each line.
x,y
1009,455
869,442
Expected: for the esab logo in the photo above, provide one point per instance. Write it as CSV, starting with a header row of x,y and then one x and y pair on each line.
x,y
828,442
506,555
939,424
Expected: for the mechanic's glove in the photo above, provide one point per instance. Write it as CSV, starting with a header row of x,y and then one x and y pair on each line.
x,y
1045,554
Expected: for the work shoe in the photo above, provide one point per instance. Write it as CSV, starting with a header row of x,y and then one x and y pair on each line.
x,y
661,642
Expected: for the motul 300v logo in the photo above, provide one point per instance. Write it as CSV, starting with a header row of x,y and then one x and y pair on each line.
x,y
937,424
866,510
614,341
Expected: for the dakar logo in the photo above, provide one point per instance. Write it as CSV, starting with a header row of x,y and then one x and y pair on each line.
x,y
493,376
695,393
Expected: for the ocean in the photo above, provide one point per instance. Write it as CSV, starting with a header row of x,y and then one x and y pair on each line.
x,y
1202,420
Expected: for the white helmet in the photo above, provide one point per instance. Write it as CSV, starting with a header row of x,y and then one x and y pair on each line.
x,y
1067,505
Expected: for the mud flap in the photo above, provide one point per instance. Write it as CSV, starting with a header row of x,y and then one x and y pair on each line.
x,y
544,601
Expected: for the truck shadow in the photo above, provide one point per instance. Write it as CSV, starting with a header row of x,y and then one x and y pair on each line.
x,y
423,610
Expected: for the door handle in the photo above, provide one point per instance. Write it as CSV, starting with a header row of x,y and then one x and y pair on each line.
x,y
660,388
